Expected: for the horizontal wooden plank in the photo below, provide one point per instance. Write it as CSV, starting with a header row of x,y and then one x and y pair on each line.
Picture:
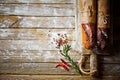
x,y
9,21
110,59
34,56
36,22
49,68
32,68
114,57
37,1
110,69
55,77
49,56
53,57
37,9
27,55
30,45
33,34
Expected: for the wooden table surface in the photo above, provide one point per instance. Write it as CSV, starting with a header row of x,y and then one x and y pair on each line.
x,y
27,29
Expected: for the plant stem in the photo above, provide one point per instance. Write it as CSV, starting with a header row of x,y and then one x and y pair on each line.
x,y
67,57
74,64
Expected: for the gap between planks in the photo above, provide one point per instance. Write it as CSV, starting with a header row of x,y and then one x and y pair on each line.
x,y
33,28
32,15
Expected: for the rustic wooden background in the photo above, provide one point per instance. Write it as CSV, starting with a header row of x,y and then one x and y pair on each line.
x,y
27,51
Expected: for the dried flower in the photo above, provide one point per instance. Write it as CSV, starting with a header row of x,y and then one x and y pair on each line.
x,y
62,42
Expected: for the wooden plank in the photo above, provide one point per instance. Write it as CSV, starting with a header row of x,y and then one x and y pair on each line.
x,y
49,68
110,59
30,45
33,34
49,56
34,56
7,21
37,55
37,22
114,56
55,77
32,68
54,56
37,9
37,1
110,69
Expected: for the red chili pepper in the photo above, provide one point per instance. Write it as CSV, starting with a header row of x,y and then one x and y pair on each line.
x,y
63,66
63,61
64,42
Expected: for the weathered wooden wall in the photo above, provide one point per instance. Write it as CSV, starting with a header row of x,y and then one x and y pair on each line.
x,y
27,29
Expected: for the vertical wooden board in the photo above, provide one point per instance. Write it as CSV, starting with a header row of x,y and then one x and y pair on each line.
x,y
37,1
37,9
78,25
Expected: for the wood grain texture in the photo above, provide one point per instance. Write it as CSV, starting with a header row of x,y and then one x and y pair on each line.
x,y
35,34
33,60
32,68
36,22
47,68
49,56
14,56
37,9
37,1
55,77
48,22
88,11
103,20
29,45
9,21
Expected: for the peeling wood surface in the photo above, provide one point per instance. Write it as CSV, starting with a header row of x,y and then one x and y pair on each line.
x,y
37,9
36,22
48,22
27,56
29,45
48,56
35,34
9,21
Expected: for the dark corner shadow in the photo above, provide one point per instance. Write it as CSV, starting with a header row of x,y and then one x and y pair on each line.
x,y
115,23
